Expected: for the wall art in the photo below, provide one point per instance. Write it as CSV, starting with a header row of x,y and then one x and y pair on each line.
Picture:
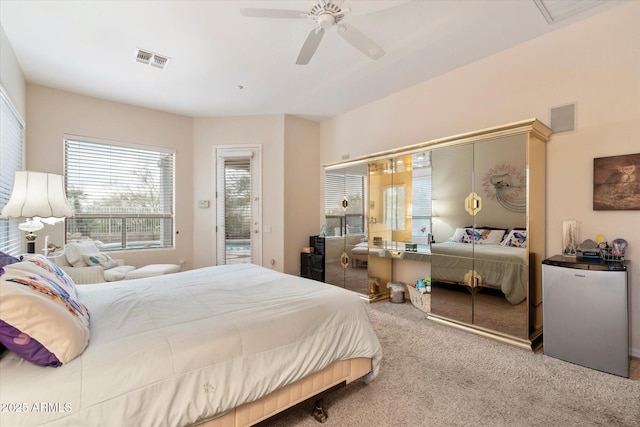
x,y
616,182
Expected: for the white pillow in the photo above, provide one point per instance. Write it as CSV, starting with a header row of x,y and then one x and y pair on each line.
x,y
74,252
458,235
100,259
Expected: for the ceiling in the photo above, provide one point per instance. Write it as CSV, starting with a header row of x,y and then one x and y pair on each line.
x,y
224,64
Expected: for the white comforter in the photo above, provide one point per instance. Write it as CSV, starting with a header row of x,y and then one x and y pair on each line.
x,y
176,349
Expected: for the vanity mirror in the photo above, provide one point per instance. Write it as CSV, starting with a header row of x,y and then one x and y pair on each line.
x,y
483,246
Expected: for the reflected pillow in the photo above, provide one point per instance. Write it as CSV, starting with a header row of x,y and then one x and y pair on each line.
x,y
516,239
482,236
458,235
100,259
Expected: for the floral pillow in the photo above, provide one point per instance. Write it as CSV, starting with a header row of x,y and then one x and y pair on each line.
x,y
481,236
515,238
100,259
41,318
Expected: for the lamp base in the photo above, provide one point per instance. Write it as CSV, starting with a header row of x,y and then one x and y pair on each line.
x,y
31,243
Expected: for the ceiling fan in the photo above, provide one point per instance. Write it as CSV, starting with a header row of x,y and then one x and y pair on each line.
x,y
326,14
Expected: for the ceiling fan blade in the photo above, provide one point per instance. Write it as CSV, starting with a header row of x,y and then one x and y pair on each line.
x,y
310,45
273,13
361,42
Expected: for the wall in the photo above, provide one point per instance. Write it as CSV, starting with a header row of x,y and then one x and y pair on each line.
x,y
52,113
11,77
594,63
289,151
301,188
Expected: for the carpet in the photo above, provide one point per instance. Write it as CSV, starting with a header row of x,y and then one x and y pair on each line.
x,y
434,375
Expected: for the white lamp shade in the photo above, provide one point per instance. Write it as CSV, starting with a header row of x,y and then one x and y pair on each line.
x,y
37,194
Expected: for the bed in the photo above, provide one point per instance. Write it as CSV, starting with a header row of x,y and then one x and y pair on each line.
x,y
227,345
497,265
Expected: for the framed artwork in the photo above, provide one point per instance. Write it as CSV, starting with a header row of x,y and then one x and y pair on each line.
x,y
616,183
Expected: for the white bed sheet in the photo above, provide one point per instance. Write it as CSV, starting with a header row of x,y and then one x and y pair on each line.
x,y
177,349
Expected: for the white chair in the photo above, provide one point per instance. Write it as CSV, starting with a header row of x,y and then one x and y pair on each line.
x,y
85,264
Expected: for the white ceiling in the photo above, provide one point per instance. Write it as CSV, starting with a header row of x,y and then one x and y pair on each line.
x,y
89,47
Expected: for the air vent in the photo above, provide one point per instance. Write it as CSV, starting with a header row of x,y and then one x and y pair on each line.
x,y
143,56
149,58
159,61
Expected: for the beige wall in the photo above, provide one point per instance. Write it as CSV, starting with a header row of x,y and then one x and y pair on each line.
x,y
595,63
289,150
53,113
301,188
266,131
11,77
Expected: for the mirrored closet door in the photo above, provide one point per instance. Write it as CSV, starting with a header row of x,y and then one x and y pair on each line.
x,y
346,251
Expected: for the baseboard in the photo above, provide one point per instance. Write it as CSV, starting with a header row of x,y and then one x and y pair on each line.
x,y
635,352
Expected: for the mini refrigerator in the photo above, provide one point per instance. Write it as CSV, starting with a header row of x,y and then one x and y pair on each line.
x,y
585,312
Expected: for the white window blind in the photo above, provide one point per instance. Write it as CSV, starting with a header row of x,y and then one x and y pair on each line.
x,y
122,195
11,135
237,199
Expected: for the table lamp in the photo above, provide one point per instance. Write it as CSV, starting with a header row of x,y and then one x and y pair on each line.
x,y
36,196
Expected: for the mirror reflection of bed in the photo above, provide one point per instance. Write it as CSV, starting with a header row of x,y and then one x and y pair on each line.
x,y
480,263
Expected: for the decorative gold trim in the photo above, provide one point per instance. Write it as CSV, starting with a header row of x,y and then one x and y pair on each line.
x,y
534,127
491,334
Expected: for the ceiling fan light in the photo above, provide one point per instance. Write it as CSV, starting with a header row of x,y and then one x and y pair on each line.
x,y
326,21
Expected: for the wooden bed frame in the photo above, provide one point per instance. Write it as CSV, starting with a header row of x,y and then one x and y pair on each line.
x,y
340,372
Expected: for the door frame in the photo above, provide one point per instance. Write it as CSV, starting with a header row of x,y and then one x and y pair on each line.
x,y
238,151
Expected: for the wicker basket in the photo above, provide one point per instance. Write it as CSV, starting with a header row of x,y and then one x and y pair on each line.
x,y
419,300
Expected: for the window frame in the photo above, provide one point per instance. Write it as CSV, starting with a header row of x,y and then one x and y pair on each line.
x,y
122,221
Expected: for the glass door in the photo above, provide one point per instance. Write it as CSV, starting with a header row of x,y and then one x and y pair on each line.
x,y
238,205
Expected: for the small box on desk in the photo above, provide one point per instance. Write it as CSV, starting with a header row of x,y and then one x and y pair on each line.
x,y
308,249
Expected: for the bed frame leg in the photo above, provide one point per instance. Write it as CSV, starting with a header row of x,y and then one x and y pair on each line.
x,y
318,411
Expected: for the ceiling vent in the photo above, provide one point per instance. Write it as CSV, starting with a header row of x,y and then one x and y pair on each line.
x,y
149,58
159,61
557,10
143,56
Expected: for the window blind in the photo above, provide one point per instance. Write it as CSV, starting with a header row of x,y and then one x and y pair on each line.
x,y
237,179
122,195
11,160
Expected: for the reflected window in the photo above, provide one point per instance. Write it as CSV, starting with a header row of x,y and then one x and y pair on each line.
x,y
421,213
394,207
352,188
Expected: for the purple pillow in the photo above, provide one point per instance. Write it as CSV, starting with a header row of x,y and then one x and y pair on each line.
x,y
27,347
6,259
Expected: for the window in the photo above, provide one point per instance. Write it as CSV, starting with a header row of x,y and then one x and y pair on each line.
x,y
121,194
338,220
11,134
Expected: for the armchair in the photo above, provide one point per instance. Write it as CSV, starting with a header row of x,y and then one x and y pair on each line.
x,y
85,264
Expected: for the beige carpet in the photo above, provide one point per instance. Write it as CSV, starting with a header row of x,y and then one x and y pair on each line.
x,y
433,375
